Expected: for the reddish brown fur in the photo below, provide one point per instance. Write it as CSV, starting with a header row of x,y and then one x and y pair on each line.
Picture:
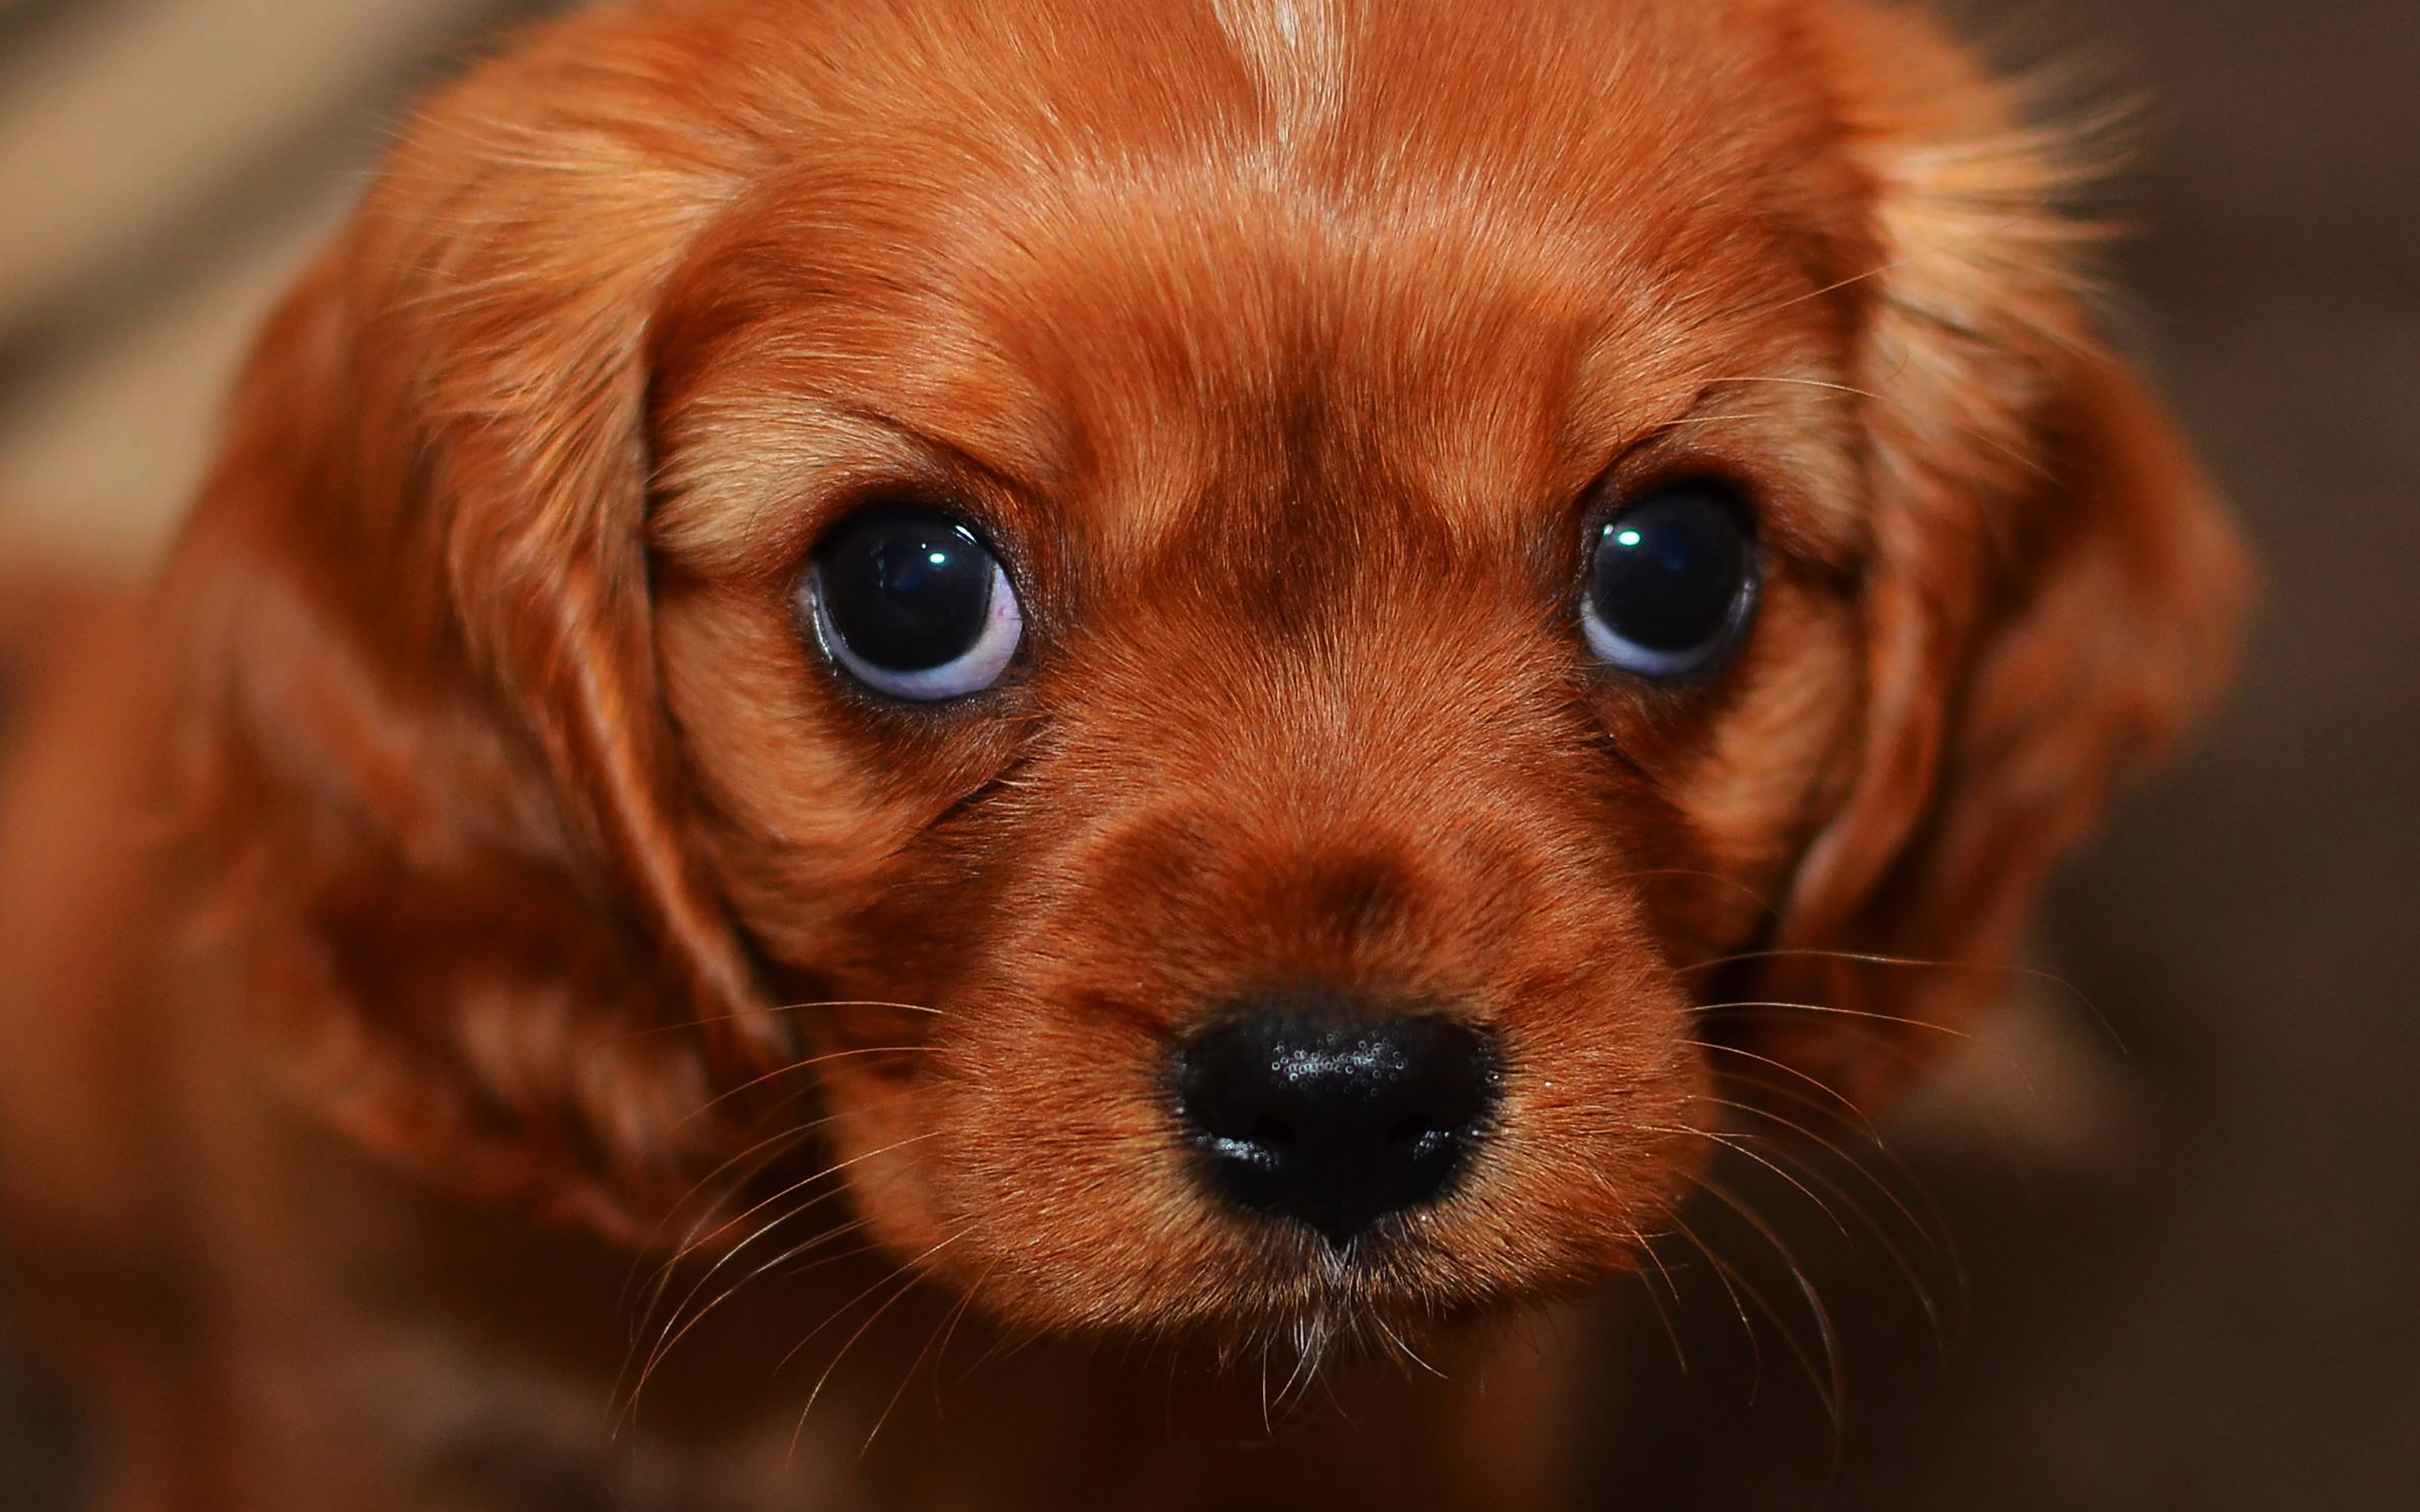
x,y
429,879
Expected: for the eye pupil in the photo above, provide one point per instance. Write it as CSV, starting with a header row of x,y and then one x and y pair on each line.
x,y
1670,581
907,591
1671,588
910,602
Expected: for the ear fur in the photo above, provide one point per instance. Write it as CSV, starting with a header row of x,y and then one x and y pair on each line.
x,y
2054,588
421,722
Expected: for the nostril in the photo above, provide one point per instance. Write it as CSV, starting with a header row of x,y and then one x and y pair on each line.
x,y
1308,1112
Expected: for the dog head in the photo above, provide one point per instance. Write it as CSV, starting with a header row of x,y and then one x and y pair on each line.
x,y
1224,655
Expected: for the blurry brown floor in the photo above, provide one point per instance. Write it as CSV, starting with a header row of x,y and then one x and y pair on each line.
x,y
2223,1311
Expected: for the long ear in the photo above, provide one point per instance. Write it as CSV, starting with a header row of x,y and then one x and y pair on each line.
x,y
2054,589
424,727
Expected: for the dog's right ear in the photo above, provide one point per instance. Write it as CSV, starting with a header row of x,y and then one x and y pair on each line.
x,y
420,730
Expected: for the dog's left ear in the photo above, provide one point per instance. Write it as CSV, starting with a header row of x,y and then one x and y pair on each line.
x,y
2054,590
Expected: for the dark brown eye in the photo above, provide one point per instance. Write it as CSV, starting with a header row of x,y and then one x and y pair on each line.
x,y
1672,580
910,602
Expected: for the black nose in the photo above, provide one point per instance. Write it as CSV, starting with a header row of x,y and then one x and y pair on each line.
x,y
1304,1113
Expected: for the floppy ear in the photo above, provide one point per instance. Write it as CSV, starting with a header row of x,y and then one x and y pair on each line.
x,y
2054,589
422,730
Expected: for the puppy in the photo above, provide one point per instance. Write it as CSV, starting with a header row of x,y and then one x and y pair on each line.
x,y
1200,675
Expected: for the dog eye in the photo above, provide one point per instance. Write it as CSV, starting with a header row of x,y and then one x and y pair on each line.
x,y
1672,580
912,603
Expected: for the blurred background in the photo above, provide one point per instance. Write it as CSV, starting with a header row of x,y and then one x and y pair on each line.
x,y
2166,1213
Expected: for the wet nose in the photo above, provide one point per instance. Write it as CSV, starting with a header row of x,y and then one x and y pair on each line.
x,y
1304,1112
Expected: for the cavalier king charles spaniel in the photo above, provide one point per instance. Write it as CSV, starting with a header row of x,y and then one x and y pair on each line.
x,y
1172,693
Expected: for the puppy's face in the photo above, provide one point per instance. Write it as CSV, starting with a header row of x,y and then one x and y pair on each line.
x,y
1265,617
1280,620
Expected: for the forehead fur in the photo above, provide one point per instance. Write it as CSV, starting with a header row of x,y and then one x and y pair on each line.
x,y
1454,254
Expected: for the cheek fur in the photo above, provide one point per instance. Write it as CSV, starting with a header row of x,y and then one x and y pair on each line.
x,y
1762,782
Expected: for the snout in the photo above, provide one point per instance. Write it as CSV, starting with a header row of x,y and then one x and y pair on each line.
x,y
1304,1110
1246,1050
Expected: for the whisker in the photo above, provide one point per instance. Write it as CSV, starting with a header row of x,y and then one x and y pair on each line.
x,y
2066,988
1834,1394
1763,904
1881,1234
1816,1082
905,1276
1408,1352
1801,382
1305,1353
703,1108
743,1015
1905,1214
771,1147
766,1146
2030,464
688,1318
698,1230
906,1286
1891,267
1647,1282
1004,1345
1723,1273
856,1002
1899,1019
1933,1226
733,1253
949,1329
1736,1143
